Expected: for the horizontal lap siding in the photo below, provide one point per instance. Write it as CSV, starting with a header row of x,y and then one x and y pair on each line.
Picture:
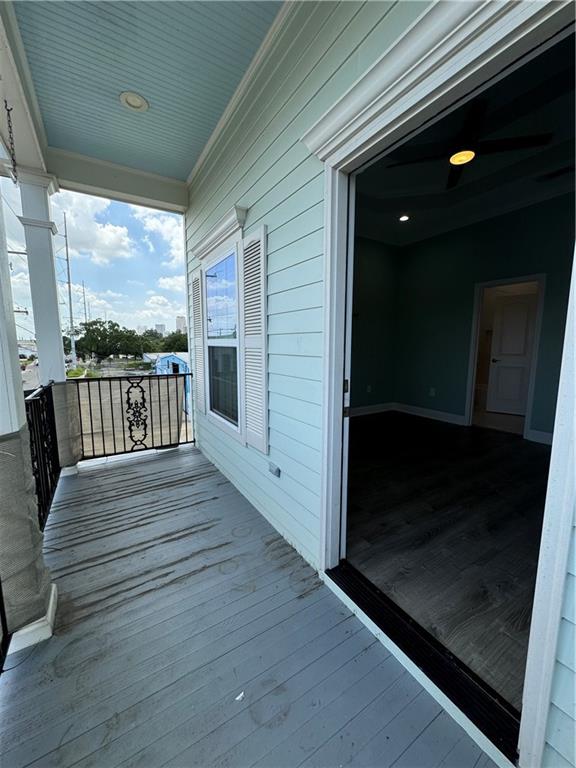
x,y
561,732
259,162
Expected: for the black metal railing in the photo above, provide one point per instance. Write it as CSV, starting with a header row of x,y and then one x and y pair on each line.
x,y
43,447
125,414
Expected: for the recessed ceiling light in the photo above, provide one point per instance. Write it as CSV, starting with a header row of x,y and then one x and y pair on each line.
x,y
134,101
404,217
463,157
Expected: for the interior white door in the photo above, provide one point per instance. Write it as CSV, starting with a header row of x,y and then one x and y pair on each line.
x,y
511,353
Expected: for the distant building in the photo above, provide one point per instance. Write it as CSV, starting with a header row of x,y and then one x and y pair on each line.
x,y
181,324
161,329
141,328
168,362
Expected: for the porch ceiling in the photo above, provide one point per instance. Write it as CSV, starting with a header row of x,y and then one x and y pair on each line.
x,y
185,58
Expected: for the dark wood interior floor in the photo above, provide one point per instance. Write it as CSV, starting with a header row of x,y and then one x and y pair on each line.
x,y
446,521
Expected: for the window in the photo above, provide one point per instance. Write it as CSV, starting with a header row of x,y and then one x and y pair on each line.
x,y
222,337
228,318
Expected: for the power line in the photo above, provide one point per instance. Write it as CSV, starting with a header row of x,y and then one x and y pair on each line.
x,y
10,207
25,329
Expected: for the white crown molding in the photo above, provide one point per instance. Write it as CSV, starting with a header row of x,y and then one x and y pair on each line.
x,y
39,223
227,226
447,44
264,51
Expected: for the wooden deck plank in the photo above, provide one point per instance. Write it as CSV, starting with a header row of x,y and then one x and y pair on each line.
x,y
122,724
176,596
319,715
352,737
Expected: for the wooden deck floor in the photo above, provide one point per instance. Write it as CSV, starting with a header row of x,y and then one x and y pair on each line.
x,y
190,634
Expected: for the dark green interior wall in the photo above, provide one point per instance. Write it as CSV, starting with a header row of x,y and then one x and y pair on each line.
x,y
373,327
413,308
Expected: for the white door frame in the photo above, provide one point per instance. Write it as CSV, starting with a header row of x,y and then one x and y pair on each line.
x,y
447,54
479,288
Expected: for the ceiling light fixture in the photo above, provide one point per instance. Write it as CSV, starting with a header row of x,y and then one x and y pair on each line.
x,y
462,157
134,101
404,217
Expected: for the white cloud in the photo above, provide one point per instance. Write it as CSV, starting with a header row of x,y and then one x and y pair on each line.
x,y
101,243
176,283
168,226
157,301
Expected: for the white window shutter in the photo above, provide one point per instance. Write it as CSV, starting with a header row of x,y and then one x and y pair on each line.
x,y
198,342
255,338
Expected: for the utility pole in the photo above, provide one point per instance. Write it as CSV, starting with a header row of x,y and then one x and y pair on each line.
x,y
84,292
72,336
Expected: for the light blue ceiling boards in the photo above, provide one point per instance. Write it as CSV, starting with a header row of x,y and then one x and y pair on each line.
x,y
185,58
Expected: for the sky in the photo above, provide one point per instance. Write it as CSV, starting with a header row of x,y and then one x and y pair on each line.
x,y
130,258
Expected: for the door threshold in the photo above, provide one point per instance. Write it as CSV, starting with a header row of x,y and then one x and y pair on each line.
x,y
483,706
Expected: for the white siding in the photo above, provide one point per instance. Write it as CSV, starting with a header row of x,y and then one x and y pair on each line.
x,y
561,730
260,163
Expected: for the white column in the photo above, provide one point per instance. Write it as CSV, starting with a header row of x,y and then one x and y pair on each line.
x,y
38,229
12,413
30,599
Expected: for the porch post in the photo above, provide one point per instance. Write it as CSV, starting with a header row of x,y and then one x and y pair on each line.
x,y
35,191
26,587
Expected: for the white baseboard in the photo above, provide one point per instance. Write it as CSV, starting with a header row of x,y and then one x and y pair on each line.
x,y
412,410
41,629
472,730
536,436
367,410
428,413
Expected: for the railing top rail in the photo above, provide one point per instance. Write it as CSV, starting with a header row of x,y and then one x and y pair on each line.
x,y
127,377
38,391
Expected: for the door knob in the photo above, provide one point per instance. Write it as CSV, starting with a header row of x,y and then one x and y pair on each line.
x,y
495,360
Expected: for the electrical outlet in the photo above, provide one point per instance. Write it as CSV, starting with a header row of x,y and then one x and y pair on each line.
x,y
274,469
432,392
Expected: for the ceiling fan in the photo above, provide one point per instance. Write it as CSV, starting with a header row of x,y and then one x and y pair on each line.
x,y
468,144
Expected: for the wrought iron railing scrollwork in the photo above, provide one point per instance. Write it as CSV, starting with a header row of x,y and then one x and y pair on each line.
x,y
43,447
136,414
126,414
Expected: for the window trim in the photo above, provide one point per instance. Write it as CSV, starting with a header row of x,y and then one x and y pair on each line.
x,y
231,246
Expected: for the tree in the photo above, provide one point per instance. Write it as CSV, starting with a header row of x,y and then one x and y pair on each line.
x,y
101,339
131,343
175,342
151,341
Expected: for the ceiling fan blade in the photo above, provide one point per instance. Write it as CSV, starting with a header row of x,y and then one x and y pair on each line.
x,y
487,146
551,175
523,104
454,176
408,154
418,160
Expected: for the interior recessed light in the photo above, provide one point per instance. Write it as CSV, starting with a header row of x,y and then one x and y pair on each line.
x,y
463,157
404,217
134,101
